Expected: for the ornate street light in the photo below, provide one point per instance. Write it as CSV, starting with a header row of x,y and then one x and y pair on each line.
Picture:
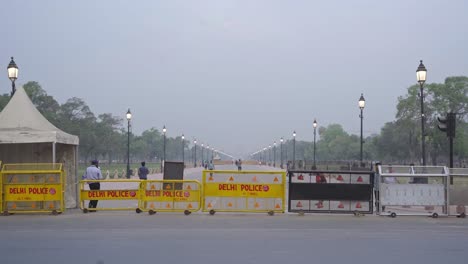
x,y
129,117
361,103
274,154
315,133
12,75
421,77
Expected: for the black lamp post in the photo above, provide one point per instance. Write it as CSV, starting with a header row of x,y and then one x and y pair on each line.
x,y
421,77
183,149
315,133
281,152
274,154
195,161
13,75
129,117
294,150
362,103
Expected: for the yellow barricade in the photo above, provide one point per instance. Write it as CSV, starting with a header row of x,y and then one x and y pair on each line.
x,y
243,191
170,196
113,195
32,188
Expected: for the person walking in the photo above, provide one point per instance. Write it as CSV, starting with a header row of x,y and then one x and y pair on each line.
x,y
239,165
93,173
143,171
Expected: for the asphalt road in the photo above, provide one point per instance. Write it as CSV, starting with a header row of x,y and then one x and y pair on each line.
x,y
127,237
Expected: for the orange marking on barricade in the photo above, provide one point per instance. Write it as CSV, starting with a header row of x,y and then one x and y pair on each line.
x,y
359,179
153,187
211,178
358,205
13,206
14,179
51,206
51,179
31,178
299,204
277,206
33,205
188,187
209,205
231,179
189,206
254,179
341,205
151,205
168,205
168,187
276,179
256,205
229,204
339,178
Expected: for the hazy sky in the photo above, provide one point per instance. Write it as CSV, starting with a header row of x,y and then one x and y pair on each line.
x,y
235,74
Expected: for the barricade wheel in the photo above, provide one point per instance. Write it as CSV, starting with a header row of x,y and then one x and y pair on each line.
x,y
151,212
462,215
54,212
435,215
138,210
212,212
187,212
301,213
271,213
5,213
85,211
393,215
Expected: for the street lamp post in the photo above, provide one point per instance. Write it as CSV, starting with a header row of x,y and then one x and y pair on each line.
x,y
362,103
164,149
12,75
202,159
274,154
264,156
421,77
315,133
183,149
195,161
212,153
129,117
294,150
281,152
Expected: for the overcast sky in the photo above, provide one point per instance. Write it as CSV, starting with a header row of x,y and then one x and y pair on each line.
x,y
235,74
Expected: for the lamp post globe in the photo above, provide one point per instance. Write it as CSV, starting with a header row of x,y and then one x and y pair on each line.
x,y
12,75
129,117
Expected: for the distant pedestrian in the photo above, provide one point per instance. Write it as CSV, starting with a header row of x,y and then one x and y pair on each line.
x,y
93,173
143,171
239,165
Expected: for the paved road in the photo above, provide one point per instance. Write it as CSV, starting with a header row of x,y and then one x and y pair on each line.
x,y
126,237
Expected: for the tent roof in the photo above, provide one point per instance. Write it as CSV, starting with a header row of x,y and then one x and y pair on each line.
x,y
21,122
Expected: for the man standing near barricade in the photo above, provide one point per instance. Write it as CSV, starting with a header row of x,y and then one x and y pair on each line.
x,y
93,173
143,171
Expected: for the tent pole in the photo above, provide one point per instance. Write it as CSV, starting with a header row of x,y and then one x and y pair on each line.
x,y
53,152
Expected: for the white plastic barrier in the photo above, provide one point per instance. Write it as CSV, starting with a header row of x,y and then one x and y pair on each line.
x,y
399,195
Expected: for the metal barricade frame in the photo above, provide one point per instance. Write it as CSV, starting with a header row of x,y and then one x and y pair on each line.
x,y
109,195
331,191
170,196
49,191
389,190
458,202
253,192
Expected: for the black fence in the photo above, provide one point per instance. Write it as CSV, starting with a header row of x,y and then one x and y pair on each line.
x,y
323,191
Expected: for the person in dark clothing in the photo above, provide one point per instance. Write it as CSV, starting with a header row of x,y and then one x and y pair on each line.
x,y
143,171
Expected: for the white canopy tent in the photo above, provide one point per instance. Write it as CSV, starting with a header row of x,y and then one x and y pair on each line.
x,y
26,136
